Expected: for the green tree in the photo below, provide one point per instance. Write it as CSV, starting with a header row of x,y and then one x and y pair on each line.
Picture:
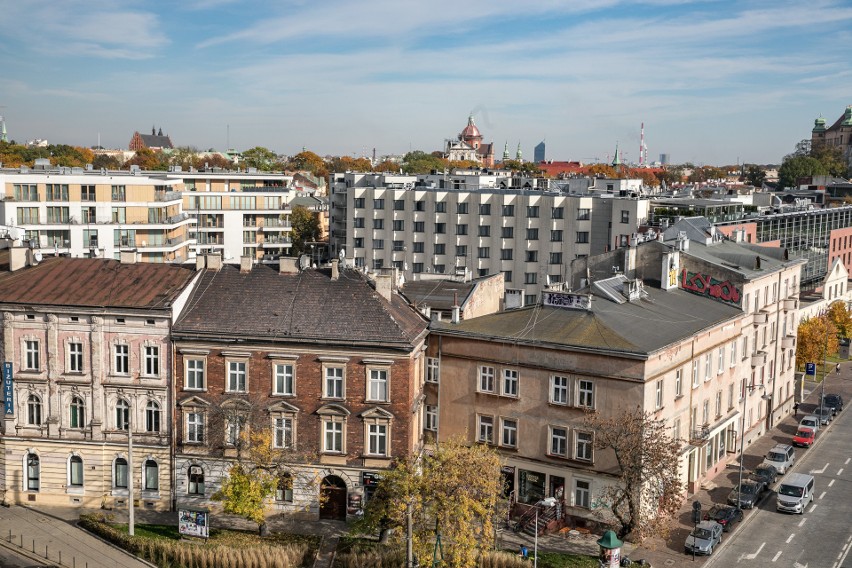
x,y
106,162
246,494
831,157
646,494
797,167
816,340
755,175
419,162
305,228
260,158
184,156
457,489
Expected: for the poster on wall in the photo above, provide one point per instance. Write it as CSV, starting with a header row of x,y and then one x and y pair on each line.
x,y
194,522
8,390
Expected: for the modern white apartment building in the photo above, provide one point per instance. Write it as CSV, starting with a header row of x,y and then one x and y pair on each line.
x,y
477,223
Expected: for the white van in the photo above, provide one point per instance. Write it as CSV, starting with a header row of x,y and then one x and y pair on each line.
x,y
782,456
795,493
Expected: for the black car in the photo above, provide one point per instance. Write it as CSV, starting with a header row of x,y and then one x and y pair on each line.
x,y
765,474
724,515
747,494
834,402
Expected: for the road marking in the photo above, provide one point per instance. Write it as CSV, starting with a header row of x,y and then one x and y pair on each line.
x,y
813,508
813,471
777,554
802,521
821,495
842,556
797,565
830,483
847,461
752,556
839,471
789,538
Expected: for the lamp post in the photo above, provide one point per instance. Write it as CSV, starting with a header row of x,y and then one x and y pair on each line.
x,y
748,390
548,502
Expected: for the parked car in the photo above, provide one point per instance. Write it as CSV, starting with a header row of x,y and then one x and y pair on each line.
x,y
764,473
811,421
704,537
746,494
782,456
834,402
804,437
824,414
724,515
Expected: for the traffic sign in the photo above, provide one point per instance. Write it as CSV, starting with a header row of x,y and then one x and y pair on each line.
x,y
810,368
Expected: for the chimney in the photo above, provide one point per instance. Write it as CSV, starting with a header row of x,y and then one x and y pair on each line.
x,y
18,258
335,272
214,261
384,285
288,265
200,262
128,256
456,309
245,264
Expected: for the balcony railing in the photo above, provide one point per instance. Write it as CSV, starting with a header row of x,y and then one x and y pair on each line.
x,y
698,436
168,195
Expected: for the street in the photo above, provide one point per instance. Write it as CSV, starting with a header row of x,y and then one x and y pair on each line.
x,y
822,536
9,559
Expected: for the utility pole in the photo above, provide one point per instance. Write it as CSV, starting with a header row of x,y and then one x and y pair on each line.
x,y
409,540
130,519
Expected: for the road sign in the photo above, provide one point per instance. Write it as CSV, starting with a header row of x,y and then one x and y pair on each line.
x,y
810,368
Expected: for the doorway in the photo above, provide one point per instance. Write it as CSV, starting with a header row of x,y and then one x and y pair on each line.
x,y
333,499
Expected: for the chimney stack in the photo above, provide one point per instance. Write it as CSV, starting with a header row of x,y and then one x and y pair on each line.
x,y
456,310
18,257
200,262
288,265
245,264
214,261
335,272
384,285
128,256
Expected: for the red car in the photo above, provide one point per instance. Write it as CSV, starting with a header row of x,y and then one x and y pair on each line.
x,y
804,437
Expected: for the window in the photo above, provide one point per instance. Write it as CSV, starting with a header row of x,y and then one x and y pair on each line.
x,y
485,230
440,228
418,247
33,472
556,258
461,208
417,267
507,275
377,435
708,366
718,404
333,437
196,480
530,299
440,207
282,379
532,234
507,232
730,396
586,394
333,382
486,379
440,248
77,414
584,446
419,226
378,224
378,387
152,416
721,365
34,410
152,361
461,229
150,476
430,418
508,211
695,373
556,235
531,256
583,214
557,212
559,441
582,493
509,433
625,216
195,374
733,353
398,246
483,252
679,383
378,244
433,369
461,250
399,225
75,471
530,277
233,428
485,429
31,355
358,242
283,432
195,427
75,357
676,429
378,204
358,222
582,236
559,389
119,476
510,382
122,359
658,399
485,209
505,254
122,415
236,376
284,489
532,211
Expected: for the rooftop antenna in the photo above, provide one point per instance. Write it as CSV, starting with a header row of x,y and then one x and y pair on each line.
x,y
3,137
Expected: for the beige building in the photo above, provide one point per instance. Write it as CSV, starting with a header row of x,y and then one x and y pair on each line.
x,y
87,357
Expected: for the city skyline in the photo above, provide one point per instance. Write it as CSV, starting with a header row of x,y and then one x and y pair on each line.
x,y
714,82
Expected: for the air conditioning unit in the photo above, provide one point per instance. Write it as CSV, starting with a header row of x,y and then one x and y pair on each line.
x,y
195,470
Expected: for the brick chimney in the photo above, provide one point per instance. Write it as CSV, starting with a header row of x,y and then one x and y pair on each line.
x,y
335,271
246,264
384,285
288,265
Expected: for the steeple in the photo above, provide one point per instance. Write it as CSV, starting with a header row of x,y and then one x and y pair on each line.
x,y
616,160
506,151
519,155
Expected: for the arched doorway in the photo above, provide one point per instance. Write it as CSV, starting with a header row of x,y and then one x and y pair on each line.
x,y
333,498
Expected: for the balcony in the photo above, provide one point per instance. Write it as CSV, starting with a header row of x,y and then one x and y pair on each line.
x,y
168,196
790,304
698,436
758,359
788,342
760,317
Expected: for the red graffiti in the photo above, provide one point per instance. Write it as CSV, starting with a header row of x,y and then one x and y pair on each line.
x,y
706,285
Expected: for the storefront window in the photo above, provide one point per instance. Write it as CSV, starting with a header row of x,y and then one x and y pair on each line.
x,y
530,486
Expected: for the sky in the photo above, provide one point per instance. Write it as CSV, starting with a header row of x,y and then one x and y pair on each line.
x,y
714,82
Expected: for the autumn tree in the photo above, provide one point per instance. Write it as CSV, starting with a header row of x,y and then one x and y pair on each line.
x,y
816,340
387,166
601,170
348,164
149,160
648,178
309,162
839,316
457,489
183,156
419,162
106,162
305,228
647,491
214,160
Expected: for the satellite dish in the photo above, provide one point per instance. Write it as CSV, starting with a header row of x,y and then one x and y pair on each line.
x,y
37,256
304,262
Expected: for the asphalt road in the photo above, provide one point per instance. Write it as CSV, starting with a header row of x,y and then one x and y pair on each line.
x,y
9,559
822,536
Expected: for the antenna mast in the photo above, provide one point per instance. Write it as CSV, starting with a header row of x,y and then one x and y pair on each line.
x,y
641,144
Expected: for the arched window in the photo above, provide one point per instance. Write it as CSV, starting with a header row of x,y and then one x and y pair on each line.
x,y
122,414
120,473
33,472
75,473
34,410
78,413
151,477
196,480
152,417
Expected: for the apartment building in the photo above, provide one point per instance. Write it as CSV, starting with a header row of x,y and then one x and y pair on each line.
x,y
688,332
88,213
478,222
87,363
331,367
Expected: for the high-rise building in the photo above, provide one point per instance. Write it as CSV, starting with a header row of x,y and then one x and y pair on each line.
x,y
538,153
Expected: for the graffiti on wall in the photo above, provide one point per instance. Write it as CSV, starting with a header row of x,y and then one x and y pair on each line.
x,y
706,285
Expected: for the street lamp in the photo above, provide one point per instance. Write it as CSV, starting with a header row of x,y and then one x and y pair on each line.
x,y
548,503
749,389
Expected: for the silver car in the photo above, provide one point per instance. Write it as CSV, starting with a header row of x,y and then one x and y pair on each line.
x,y
824,413
705,536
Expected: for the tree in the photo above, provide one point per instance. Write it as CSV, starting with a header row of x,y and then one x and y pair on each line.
x,y
214,160
649,179
304,229
601,170
106,162
648,492
755,176
184,156
839,316
816,340
797,167
309,162
387,166
419,162
456,489
148,159
260,158
831,157
347,164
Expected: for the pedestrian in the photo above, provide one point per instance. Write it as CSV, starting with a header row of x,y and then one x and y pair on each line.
x,y
796,409
837,368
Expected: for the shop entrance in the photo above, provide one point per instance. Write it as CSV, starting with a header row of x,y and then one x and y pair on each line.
x,y
333,499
